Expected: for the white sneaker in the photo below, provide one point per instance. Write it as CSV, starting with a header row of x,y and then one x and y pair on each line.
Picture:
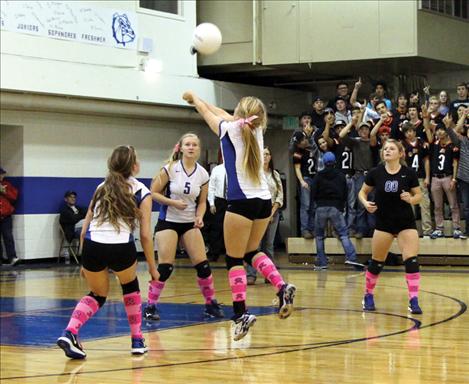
x,y
242,325
14,261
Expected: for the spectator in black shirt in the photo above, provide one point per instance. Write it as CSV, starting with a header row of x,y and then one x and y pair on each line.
x,y
70,215
305,164
330,193
344,163
400,113
318,113
396,190
417,158
414,98
414,118
444,157
463,98
342,91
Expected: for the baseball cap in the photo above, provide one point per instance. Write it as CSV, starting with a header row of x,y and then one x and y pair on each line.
x,y
364,124
329,109
306,113
339,122
2,171
70,193
328,158
299,136
317,98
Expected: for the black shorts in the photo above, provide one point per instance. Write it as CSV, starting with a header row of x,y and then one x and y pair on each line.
x,y
179,228
99,256
394,226
251,209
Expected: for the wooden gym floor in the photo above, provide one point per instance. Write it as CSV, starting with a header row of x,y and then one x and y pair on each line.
x,y
328,339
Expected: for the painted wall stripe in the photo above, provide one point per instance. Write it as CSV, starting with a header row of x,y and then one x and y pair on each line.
x,y
45,195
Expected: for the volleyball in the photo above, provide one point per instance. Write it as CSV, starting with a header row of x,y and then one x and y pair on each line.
x,y
206,39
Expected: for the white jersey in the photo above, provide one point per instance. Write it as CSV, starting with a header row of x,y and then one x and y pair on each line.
x,y
183,186
105,232
240,186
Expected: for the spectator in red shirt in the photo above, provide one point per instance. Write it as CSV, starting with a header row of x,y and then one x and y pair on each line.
x,y
8,195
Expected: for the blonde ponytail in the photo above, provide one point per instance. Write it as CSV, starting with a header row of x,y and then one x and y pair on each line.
x,y
252,109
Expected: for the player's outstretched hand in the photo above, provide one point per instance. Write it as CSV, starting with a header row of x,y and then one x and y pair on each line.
x,y
188,96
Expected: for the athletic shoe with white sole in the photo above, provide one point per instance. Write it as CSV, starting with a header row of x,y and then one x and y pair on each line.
x,y
242,325
70,345
285,300
138,346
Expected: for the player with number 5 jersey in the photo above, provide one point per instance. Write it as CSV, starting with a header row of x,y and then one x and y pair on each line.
x,y
396,190
181,188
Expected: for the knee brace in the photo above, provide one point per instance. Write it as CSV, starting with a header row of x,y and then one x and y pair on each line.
x,y
130,287
165,271
249,256
100,299
375,267
203,269
233,262
412,265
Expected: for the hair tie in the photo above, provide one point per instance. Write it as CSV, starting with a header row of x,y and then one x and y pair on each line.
x,y
247,121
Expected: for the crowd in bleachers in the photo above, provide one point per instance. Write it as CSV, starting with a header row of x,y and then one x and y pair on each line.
x,y
433,130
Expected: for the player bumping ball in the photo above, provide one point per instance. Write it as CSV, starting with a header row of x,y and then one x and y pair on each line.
x,y
206,39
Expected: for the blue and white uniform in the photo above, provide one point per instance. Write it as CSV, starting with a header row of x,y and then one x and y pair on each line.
x,y
183,186
240,186
105,232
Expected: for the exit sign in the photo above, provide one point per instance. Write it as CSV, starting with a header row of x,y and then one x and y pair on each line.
x,y
290,123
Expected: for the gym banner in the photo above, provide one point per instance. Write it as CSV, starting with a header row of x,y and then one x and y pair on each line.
x,y
71,20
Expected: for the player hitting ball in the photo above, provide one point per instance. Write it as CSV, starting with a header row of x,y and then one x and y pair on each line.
x,y
249,202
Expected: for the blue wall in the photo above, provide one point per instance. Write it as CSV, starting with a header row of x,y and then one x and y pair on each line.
x,y
45,195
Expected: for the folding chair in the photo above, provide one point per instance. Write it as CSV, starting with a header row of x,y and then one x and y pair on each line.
x,y
72,246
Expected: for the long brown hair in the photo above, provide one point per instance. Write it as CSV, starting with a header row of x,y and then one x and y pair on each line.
x,y
114,200
400,148
176,153
271,168
247,107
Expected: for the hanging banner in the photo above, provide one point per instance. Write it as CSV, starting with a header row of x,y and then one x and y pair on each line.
x,y
71,20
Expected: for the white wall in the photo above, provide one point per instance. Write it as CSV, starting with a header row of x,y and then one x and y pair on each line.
x,y
57,66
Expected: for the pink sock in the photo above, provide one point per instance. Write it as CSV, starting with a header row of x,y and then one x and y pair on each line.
x,y
85,308
371,280
207,288
265,266
133,308
238,283
413,283
154,291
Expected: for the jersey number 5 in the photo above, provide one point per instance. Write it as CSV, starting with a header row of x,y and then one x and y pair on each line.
x,y
187,188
